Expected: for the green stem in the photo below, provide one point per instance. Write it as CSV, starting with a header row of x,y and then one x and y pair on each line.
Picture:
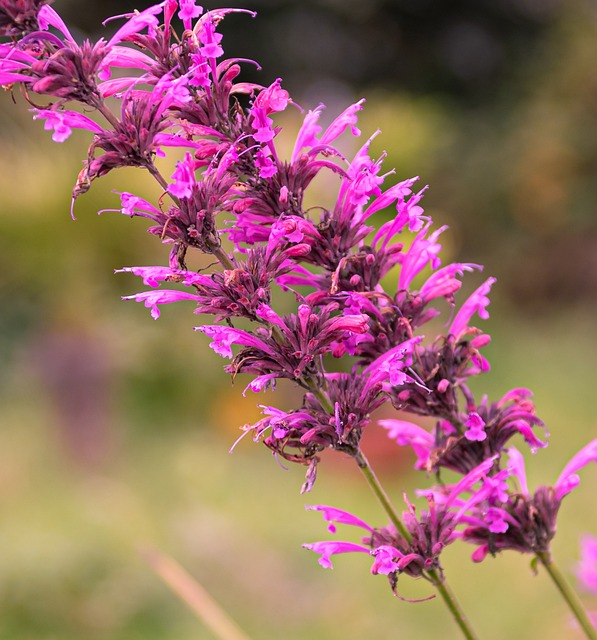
x,y
108,115
453,605
223,258
569,595
324,401
434,576
154,171
381,495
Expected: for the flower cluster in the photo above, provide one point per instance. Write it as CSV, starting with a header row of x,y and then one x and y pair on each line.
x,y
416,549
364,293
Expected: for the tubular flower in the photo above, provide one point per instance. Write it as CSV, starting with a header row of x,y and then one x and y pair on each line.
x,y
270,100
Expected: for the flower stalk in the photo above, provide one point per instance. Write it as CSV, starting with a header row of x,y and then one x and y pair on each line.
x,y
438,581
381,495
453,605
569,595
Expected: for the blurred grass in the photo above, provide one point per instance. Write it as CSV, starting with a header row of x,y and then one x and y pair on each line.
x,y
71,567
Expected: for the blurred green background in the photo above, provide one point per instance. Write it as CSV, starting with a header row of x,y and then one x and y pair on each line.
x,y
115,428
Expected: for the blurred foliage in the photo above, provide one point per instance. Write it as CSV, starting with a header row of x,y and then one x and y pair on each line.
x,y
115,427
491,102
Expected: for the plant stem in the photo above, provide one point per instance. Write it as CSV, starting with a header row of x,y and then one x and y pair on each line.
x,y
453,605
108,115
434,576
381,495
569,595
154,171
326,405
223,258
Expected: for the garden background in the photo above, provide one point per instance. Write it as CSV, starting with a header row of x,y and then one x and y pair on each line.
x,y
115,428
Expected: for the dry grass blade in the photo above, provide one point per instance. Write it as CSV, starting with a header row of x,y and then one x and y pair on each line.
x,y
194,595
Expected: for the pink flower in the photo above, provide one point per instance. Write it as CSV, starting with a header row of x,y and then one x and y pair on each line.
x,y
137,21
267,166
568,479
587,567
152,276
224,337
272,99
152,299
409,434
183,178
443,283
63,122
188,11
333,515
346,120
392,366
423,251
476,303
332,547
389,560
307,135
208,37
476,426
